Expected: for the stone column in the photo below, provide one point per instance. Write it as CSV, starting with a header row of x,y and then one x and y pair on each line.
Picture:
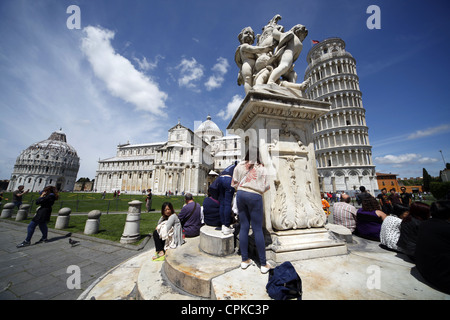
x,y
7,210
131,232
93,223
62,221
22,214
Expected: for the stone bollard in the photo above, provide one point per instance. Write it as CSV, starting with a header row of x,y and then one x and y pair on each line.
x,y
93,222
22,214
7,210
131,232
62,221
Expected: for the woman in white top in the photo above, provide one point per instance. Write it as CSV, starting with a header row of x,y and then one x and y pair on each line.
x,y
250,182
390,229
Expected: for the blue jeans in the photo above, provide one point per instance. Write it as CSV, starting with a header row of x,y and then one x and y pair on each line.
x,y
250,206
226,193
32,226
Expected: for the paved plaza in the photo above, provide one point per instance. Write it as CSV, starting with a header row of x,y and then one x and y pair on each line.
x,y
112,271
42,271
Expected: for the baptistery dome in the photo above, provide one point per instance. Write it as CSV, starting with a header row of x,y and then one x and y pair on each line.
x,y
49,162
208,130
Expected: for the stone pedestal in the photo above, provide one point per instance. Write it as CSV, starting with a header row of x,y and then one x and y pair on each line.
x,y
7,210
214,242
93,222
62,221
291,245
279,122
22,214
131,232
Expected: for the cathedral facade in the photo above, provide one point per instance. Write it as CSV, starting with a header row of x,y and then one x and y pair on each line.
x,y
187,162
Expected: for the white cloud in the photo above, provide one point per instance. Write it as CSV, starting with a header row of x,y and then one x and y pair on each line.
x,y
190,72
120,76
231,108
220,69
146,65
429,132
398,161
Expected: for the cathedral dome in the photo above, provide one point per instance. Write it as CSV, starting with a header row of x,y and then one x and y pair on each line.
x,y
49,162
208,130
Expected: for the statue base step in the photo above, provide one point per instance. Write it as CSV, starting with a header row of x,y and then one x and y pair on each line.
x,y
192,270
304,244
214,242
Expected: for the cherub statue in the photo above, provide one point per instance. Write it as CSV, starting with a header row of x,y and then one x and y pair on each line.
x,y
246,55
287,52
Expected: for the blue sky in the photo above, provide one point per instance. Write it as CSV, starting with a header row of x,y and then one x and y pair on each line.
x,y
137,67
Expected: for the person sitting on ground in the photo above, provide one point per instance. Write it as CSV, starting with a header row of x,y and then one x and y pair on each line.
x,y
390,229
190,217
344,213
409,228
369,219
168,233
211,213
433,247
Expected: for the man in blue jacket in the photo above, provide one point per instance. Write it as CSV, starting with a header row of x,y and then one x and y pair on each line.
x,y
226,192
190,217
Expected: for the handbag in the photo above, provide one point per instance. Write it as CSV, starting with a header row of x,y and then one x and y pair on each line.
x,y
284,283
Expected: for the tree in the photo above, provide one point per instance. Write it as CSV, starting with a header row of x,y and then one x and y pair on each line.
x,y
440,190
426,180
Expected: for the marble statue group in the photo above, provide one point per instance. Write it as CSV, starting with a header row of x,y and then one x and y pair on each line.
x,y
271,60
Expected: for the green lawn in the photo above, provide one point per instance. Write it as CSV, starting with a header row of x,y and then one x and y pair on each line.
x,y
111,225
86,202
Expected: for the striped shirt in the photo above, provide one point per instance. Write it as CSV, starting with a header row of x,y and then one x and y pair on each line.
x,y
344,214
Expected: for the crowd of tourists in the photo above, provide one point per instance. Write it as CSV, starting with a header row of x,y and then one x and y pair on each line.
x,y
413,228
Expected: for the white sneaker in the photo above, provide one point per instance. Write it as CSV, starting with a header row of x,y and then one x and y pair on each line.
x,y
266,268
227,230
245,265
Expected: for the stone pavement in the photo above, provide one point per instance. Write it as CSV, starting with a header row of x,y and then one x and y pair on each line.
x,y
367,272
110,271
41,272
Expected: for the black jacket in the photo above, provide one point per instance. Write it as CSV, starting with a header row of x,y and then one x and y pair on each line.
x,y
45,210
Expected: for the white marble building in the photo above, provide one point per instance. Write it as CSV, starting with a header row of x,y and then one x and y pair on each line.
x,y
187,162
48,162
341,137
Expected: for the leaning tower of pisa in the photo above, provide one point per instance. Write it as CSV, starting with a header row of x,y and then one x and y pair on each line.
x,y
341,138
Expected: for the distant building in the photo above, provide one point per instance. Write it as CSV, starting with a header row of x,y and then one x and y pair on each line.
x,y
445,175
388,181
48,162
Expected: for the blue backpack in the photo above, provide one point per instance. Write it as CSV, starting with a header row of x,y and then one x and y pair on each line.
x,y
284,283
